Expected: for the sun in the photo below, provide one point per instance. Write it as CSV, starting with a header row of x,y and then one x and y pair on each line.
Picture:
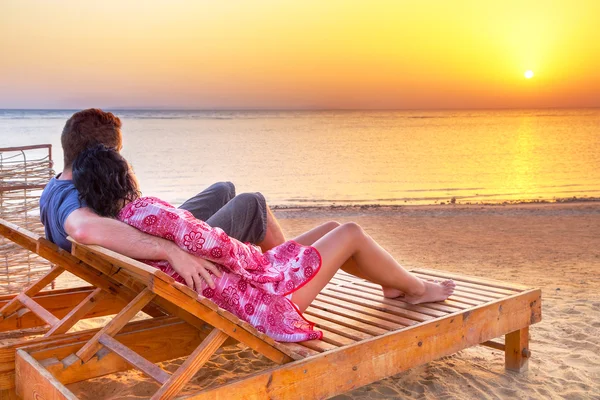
x,y
529,74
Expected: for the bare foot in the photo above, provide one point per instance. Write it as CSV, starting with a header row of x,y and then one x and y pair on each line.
x,y
391,293
434,291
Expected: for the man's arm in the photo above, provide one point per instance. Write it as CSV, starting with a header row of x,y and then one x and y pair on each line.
x,y
87,227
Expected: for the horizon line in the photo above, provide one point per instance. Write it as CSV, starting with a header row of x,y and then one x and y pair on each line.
x,y
141,108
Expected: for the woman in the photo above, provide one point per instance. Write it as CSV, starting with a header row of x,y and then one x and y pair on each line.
x,y
269,290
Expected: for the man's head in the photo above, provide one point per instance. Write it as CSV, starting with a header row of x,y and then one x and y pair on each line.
x,y
88,128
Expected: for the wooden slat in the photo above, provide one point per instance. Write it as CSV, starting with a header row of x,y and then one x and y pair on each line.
x,y
377,358
44,281
358,313
318,345
339,329
447,306
34,382
30,147
116,324
144,271
460,299
134,359
191,365
372,309
37,309
485,293
6,298
376,290
473,288
390,309
402,308
156,341
8,350
334,339
18,235
32,290
59,303
348,321
77,313
494,345
452,303
467,295
56,255
462,291
306,351
514,287
337,280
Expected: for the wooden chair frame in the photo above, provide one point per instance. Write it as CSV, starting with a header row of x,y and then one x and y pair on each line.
x,y
53,313
367,337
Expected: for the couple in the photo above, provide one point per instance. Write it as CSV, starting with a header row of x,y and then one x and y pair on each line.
x,y
267,282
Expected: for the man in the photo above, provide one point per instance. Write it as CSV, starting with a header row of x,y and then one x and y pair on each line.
x,y
245,217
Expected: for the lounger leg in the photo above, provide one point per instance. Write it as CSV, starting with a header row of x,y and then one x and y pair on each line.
x,y
516,355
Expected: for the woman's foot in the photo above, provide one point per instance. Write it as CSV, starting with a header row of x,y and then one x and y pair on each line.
x,y
391,293
434,291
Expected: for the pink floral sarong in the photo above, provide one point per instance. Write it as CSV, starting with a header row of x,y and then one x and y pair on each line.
x,y
253,285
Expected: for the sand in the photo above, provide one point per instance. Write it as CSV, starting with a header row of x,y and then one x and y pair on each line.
x,y
552,246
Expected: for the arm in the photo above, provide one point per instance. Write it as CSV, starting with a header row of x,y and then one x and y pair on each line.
x,y
158,218
86,227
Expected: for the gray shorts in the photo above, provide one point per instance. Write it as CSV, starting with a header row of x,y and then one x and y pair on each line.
x,y
243,217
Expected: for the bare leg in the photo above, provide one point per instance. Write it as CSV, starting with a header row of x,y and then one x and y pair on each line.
x,y
274,235
349,240
310,237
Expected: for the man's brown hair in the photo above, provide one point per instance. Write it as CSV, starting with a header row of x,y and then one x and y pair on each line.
x,y
88,128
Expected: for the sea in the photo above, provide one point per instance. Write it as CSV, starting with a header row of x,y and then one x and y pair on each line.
x,y
350,158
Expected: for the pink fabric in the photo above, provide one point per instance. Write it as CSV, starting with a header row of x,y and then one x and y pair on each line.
x,y
253,285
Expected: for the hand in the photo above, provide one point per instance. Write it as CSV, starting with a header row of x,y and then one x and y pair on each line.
x,y
192,268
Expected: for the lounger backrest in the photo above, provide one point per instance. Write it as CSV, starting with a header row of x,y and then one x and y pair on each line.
x,y
137,268
163,284
21,236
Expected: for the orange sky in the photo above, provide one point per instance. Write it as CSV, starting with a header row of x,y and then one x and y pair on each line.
x,y
299,54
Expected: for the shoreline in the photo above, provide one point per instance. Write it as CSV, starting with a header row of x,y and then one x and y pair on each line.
x,y
334,206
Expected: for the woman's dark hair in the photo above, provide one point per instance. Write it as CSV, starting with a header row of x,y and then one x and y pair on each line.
x,y
104,181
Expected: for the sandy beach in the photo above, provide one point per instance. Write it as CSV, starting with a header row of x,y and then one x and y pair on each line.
x,y
552,246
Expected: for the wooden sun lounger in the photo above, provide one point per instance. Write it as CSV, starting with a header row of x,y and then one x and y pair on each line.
x,y
52,313
366,337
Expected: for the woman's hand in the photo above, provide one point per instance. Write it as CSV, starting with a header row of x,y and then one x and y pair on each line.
x,y
191,268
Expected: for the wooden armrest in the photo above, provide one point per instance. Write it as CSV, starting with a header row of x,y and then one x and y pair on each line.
x,y
137,268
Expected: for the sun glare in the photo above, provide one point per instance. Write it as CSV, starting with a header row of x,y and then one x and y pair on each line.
x,y
529,74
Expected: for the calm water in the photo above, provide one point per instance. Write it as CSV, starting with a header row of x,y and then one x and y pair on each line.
x,y
350,157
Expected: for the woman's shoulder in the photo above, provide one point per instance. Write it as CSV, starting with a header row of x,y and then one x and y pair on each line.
x,y
154,200
142,203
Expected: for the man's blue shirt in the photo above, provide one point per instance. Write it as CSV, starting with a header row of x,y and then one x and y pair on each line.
x,y
59,199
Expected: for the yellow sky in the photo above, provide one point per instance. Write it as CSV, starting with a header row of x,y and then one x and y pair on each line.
x,y
299,54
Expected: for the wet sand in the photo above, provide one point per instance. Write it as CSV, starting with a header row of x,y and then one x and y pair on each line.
x,y
552,246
